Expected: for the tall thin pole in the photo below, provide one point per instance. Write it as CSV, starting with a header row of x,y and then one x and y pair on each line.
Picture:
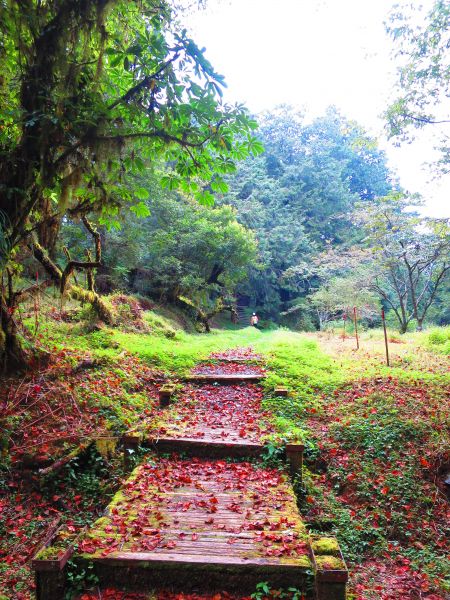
x,y
356,328
385,337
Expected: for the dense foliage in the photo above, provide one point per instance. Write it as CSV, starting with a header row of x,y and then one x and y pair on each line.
x,y
181,249
91,93
298,198
409,257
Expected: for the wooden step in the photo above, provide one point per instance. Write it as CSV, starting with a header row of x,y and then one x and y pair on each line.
x,y
205,446
227,377
226,525
242,361
138,570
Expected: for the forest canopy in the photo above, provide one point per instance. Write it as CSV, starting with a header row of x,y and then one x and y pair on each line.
x,y
115,143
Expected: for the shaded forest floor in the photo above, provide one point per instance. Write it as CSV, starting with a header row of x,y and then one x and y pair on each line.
x,y
376,441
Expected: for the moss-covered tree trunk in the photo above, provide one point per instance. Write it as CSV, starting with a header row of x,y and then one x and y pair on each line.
x,y
12,354
102,308
201,315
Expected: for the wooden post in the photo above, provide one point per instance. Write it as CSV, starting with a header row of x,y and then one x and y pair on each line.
x,y
356,328
294,454
280,390
131,443
330,570
50,585
50,574
165,394
385,337
328,589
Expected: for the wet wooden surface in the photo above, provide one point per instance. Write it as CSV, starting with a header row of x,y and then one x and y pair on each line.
x,y
226,377
205,446
208,512
229,415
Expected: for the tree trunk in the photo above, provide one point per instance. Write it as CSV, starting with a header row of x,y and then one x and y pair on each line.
x,y
13,357
402,320
419,324
201,316
103,309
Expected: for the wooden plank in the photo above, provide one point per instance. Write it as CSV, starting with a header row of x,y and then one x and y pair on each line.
x,y
206,497
205,446
281,391
209,434
193,575
227,377
179,521
212,414
206,560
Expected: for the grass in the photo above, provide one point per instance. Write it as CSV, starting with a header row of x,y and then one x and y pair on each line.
x,y
382,437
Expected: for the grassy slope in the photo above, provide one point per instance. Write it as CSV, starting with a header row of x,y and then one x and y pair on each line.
x,y
342,404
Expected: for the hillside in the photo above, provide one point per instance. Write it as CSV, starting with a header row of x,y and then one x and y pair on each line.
x,y
376,438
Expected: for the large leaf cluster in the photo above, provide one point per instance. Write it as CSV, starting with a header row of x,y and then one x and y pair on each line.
x,y
422,48
92,93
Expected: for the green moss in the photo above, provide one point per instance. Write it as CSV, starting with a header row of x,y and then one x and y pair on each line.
x,y
325,545
160,325
329,563
50,553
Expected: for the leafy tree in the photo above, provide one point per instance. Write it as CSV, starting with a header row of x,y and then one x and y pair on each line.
x,y
424,74
180,250
410,256
337,280
298,198
339,295
92,92
259,201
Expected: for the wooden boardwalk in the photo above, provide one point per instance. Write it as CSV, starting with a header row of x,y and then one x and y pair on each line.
x,y
227,372
211,421
198,515
226,377
210,522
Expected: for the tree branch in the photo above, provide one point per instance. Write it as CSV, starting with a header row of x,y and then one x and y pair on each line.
x,y
433,294
423,119
148,134
146,82
75,264
22,295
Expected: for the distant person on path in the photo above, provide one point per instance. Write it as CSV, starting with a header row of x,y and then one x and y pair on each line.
x,y
254,320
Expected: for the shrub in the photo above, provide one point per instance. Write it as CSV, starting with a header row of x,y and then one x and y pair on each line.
x,y
439,339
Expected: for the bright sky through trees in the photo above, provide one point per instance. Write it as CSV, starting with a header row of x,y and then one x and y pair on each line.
x,y
314,53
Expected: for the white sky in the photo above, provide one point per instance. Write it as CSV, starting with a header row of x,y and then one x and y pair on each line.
x,y
313,54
